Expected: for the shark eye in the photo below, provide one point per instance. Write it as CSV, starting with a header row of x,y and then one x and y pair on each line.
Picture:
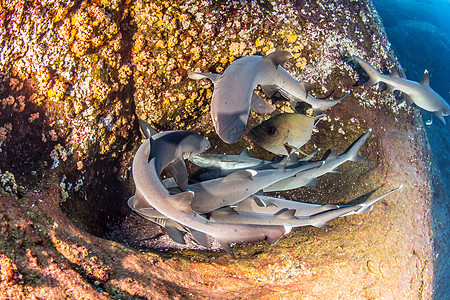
x,y
271,130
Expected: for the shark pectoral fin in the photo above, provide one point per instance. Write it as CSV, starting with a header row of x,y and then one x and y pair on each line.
x,y
199,237
286,214
146,129
389,88
175,234
242,174
408,99
440,116
150,212
278,57
308,87
269,90
137,201
197,76
183,200
226,246
335,171
312,182
179,172
425,79
259,105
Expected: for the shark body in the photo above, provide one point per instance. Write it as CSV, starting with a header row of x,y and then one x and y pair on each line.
x,y
331,164
234,96
164,149
285,215
419,93
215,193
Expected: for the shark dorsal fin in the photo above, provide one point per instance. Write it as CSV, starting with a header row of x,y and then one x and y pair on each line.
x,y
286,214
425,79
146,129
242,174
394,73
183,200
278,57
245,152
333,155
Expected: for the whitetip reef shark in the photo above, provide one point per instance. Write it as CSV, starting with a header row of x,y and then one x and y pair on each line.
x,y
287,215
330,165
168,148
215,193
234,95
419,93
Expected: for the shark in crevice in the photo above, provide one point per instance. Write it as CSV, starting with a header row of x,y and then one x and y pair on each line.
x,y
234,95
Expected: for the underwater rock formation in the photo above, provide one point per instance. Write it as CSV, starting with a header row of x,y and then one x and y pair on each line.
x,y
74,76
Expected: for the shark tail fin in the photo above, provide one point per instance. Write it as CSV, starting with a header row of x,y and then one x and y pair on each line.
x,y
197,76
146,129
354,148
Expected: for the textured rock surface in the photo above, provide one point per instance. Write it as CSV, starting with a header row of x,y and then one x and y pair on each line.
x,y
74,77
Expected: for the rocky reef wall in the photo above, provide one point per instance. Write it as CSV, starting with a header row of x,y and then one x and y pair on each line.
x,y
76,75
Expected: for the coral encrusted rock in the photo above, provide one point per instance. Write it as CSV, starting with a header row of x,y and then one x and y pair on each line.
x,y
75,76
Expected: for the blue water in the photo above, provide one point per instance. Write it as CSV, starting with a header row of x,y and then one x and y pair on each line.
x,y
419,31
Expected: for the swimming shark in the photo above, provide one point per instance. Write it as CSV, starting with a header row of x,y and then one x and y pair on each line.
x,y
419,93
330,165
162,150
286,215
234,95
215,193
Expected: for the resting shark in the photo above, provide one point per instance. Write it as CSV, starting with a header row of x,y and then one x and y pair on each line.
x,y
221,165
234,95
215,193
286,215
162,150
419,93
261,204
330,165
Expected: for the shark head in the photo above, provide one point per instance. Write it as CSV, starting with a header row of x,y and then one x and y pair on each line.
x,y
193,144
